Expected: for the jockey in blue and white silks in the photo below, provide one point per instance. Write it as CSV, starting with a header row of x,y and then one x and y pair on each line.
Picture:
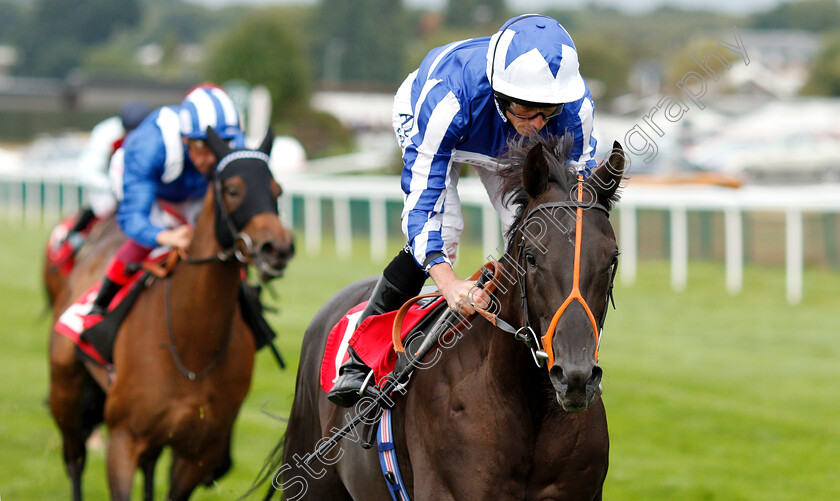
x,y
461,106
160,174
157,167
447,111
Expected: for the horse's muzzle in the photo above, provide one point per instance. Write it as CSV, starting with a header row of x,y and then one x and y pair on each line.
x,y
272,257
576,387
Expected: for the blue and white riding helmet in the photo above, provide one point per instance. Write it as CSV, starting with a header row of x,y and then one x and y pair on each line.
x,y
532,60
209,105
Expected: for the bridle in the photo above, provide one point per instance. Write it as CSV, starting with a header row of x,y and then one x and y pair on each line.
x,y
229,238
235,244
541,347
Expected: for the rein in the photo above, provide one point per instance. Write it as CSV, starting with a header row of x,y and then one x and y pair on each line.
x,y
223,255
176,357
541,348
488,278
245,252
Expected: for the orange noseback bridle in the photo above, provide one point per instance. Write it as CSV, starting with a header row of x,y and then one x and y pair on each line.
x,y
575,294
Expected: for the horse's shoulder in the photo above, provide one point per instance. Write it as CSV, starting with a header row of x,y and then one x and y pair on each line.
x,y
350,295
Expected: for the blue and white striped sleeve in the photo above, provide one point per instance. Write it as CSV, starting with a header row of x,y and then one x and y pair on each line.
x,y
582,155
427,158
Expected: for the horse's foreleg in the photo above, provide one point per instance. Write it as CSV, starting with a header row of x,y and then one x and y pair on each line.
x,y
122,461
223,466
75,454
147,464
187,474
67,405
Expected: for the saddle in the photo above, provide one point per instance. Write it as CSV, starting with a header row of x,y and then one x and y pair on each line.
x,y
96,343
373,339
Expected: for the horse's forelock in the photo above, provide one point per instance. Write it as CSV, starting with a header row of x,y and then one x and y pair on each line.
x,y
560,173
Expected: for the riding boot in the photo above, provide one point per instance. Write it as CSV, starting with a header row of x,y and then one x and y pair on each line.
x,y
85,218
106,294
351,375
74,239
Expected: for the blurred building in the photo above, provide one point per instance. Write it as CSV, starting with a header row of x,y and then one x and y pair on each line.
x,y
796,139
779,62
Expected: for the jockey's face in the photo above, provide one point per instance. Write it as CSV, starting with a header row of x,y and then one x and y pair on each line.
x,y
528,120
525,126
201,155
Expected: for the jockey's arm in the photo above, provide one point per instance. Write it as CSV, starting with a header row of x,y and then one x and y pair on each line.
x,y
425,177
143,167
460,294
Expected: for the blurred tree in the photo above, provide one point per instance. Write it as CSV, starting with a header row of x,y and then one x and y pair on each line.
x,y
59,30
604,61
11,22
654,35
264,49
267,48
191,22
171,29
824,77
812,15
463,13
679,64
361,41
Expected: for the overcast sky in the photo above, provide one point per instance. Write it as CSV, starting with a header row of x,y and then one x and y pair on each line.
x,y
520,6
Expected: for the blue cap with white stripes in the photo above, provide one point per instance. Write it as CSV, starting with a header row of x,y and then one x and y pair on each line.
x,y
209,105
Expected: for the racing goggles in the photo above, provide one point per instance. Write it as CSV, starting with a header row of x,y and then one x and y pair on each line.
x,y
526,112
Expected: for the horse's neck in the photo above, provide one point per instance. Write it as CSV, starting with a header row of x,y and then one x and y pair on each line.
x,y
206,293
506,355
511,359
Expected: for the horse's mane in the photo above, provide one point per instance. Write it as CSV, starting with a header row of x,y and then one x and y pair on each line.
x,y
560,173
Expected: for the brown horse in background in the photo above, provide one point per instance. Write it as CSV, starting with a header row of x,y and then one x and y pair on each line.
x,y
55,277
485,421
184,356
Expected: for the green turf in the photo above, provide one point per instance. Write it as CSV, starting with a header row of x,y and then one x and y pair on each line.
x,y
708,396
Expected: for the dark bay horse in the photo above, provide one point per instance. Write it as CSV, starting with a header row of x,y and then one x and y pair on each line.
x,y
183,357
485,422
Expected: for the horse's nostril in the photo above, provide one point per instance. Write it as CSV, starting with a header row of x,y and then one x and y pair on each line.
x,y
278,250
557,376
267,248
597,373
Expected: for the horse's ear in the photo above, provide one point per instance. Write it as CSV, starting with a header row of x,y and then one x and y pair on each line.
x,y
607,177
535,173
265,147
217,145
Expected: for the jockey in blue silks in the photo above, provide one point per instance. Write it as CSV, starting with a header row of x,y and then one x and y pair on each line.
x,y
164,165
461,106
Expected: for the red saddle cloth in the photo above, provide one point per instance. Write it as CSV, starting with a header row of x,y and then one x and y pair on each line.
x,y
59,253
72,322
372,341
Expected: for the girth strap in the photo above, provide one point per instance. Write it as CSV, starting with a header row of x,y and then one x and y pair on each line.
x,y
388,458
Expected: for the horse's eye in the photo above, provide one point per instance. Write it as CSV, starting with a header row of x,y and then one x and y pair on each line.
x,y
532,261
